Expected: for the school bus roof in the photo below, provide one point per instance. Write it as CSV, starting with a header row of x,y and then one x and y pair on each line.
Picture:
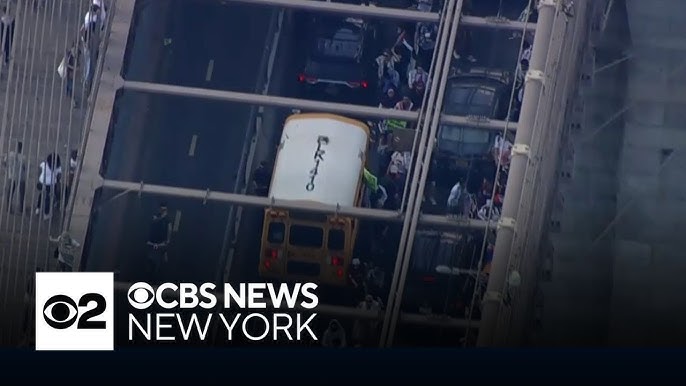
x,y
320,158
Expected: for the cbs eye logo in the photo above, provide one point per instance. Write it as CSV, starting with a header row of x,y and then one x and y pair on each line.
x,y
141,295
61,312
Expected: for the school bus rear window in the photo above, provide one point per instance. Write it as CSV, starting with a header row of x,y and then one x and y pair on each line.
x,y
306,236
276,233
336,240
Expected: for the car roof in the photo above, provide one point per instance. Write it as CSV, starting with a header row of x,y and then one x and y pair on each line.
x,y
330,24
477,81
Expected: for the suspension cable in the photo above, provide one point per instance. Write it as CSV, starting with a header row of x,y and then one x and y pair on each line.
x,y
25,41
523,197
494,190
12,84
72,106
514,259
28,238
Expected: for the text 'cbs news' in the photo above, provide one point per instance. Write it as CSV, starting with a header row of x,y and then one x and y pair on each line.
x,y
75,311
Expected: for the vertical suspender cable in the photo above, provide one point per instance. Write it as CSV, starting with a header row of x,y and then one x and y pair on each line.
x,y
543,190
477,281
452,18
88,114
8,121
25,41
421,147
524,212
37,119
518,164
69,41
34,75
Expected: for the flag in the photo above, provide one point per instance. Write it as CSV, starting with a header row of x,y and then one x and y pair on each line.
x,y
371,181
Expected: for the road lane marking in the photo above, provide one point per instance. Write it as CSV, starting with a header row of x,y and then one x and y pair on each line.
x,y
194,143
177,221
210,68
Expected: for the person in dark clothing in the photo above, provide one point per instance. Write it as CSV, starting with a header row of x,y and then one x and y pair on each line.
x,y
6,34
70,61
389,99
356,276
50,174
417,93
159,237
262,178
73,163
15,163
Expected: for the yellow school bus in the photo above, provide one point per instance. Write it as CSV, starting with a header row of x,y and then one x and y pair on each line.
x,y
321,158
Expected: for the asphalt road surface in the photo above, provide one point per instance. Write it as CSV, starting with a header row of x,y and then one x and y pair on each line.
x,y
179,141
492,49
197,144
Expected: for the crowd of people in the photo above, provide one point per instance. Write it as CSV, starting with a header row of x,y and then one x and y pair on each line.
x,y
82,54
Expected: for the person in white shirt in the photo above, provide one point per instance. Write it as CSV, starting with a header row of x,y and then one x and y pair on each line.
x,y
417,75
15,162
526,51
66,249
502,151
454,199
50,174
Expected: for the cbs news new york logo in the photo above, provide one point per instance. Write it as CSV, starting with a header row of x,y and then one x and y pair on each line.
x,y
74,311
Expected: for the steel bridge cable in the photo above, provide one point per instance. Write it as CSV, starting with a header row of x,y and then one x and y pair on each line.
x,y
79,61
425,102
40,124
534,167
416,165
6,256
494,190
452,15
519,241
19,97
439,51
88,114
35,46
41,237
493,295
38,121
545,172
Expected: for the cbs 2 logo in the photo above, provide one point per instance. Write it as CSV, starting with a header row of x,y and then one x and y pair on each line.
x,y
61,312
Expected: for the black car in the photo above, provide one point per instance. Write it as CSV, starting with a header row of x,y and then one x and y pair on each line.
x,y
479,95
338,60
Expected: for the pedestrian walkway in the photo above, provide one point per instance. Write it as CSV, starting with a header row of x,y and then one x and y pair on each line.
x,y
35,110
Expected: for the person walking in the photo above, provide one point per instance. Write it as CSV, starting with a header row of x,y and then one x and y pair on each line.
x,y
70,64
159,237
15,162
50,173
73,163
66,249
6,34
334,336
262,178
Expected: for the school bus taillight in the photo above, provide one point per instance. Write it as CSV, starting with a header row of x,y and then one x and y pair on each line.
x,y
271,253
336,261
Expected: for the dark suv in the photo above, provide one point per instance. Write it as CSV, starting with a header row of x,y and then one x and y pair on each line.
x,y
338,60
479,95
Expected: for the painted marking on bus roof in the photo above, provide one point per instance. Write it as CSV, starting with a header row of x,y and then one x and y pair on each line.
x,y
194,143
177,221
210,68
